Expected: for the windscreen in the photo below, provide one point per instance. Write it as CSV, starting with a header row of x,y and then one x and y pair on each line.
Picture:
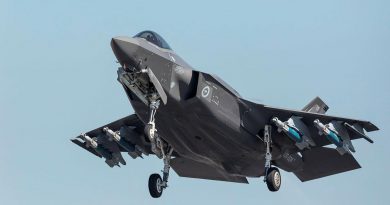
x,y
154,38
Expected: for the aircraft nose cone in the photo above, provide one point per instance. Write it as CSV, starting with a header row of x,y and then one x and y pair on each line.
x,y
124,49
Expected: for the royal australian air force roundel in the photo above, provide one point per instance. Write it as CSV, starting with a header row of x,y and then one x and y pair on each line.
x,y
206,92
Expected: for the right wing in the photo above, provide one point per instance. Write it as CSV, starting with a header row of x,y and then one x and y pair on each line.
x,y
129,137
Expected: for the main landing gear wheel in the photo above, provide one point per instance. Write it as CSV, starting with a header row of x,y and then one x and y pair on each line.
x,y
147,130
273,179
155,185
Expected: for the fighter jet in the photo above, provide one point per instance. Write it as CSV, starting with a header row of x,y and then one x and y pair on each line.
x,y
202,128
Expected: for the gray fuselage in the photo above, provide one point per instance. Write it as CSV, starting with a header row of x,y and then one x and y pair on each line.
x,y
202,116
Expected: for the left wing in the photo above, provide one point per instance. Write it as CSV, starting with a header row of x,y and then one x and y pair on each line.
x,y
263,113
354,126
108,141
312,159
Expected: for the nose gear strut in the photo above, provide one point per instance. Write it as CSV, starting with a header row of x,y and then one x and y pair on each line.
x,y
167,158
151,131
162,151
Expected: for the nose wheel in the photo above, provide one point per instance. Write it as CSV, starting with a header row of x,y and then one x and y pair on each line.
x,y
155,185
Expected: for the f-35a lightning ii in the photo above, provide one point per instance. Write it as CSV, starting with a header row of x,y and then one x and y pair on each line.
x,y
202,128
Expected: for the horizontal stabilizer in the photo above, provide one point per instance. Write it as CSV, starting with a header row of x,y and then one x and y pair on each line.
x,y
193,169
357,132
316,106
321,162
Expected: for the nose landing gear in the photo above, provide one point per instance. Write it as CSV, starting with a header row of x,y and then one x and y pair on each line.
x,y
161,149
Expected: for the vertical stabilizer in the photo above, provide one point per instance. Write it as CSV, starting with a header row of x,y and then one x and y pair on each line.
x,y
316,106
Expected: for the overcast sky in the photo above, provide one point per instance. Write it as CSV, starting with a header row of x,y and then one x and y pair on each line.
x,y
58,79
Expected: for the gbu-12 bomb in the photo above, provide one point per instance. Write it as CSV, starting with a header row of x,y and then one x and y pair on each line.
x,y
331,135
93,144
296,130
336,134
90,142
130,148
291,132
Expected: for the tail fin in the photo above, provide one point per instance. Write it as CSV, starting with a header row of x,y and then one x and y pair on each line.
x,y
316,106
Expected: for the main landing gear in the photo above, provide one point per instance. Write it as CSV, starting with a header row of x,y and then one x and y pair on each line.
x,y
161,149
272,175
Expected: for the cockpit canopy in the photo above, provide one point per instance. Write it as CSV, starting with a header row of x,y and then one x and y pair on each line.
x,y
154,38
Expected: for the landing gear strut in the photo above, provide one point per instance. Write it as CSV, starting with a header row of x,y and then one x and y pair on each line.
x,y
150,128
272,175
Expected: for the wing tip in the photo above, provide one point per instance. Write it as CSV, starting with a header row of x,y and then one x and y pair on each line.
x,y
82,145
370,127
